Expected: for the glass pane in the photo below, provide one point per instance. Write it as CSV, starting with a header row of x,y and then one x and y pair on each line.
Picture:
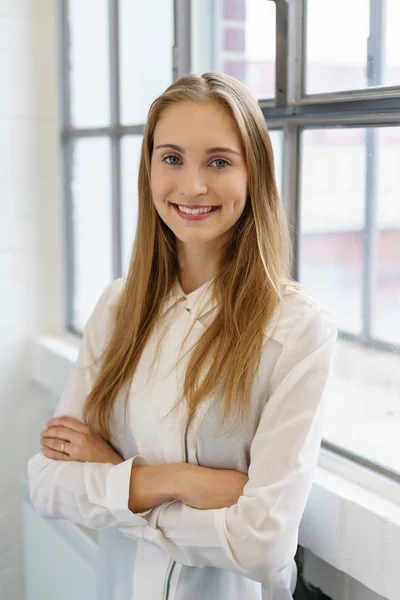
x,y
236,37
386,306
276,137
391,62
91,205
89,60
131,147
363,394
332,197
363,403
146,41
333,66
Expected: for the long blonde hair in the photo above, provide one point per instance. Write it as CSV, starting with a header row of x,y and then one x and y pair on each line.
x,y
248,287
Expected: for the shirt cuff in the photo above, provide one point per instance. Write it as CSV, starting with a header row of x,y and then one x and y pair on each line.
x,y
117,492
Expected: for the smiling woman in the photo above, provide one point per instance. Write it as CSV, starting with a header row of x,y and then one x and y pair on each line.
x,y
207,330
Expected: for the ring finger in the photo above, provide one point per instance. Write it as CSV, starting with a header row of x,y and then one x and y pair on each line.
x,y
57,436
60,446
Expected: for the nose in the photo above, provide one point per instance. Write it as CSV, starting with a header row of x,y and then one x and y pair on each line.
x,y
192,183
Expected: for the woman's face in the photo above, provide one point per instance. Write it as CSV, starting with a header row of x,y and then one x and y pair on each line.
x,y
198,162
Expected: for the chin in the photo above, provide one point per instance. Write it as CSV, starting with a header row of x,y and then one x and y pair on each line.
x,y
194,237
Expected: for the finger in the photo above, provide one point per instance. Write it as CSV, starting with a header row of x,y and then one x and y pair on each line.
x,y
68,422
57,445
62,433
53,454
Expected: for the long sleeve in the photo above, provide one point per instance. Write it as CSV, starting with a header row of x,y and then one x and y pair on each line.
x,y
258,536
91,494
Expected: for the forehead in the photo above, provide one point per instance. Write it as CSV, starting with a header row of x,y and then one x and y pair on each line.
x,y
208,124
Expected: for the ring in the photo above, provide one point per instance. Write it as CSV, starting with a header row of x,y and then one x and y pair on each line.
x,y
62,447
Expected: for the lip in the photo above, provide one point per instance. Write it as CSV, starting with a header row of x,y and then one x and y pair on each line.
x,y
199,217
193,205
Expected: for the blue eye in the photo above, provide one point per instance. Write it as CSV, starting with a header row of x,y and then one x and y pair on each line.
x,y
177,160
170,156
220,160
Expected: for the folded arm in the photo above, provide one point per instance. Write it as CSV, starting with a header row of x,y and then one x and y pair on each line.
x,y
89,493
257,537
109,493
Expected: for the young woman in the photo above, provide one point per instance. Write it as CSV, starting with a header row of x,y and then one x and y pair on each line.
x,y
190,430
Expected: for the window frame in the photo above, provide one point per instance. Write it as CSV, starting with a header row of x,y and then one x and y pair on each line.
x,y
295,112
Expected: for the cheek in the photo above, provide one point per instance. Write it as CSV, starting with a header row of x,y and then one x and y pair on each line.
x,y
236,194
160,185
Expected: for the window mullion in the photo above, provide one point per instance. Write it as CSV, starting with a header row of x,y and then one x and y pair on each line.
x,y
290,186
115,140
182,50
370,233
281,54
296,56
65,162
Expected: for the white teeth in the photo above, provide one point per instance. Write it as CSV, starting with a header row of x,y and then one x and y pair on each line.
x,y
195,211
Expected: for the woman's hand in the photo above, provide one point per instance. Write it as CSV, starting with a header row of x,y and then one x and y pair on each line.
x,y
81,443
205,488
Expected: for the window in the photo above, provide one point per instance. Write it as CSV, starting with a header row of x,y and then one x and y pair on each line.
x,y
109,54
131,146
89,58
91,210
349,258
237,38
329,87
145,48
351,45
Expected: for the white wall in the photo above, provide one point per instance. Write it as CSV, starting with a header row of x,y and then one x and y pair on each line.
x,y
29,248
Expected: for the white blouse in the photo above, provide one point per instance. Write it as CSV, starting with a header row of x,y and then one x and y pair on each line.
x,y
173,551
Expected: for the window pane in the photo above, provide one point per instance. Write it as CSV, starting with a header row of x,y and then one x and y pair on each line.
x,y
386,305
146,41
276,137
236,37
336,66
332,225
91,205
89,59
363,403
363,394
391,63
332,220
130,157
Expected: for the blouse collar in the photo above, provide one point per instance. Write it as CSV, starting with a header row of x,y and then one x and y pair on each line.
x,y
198,302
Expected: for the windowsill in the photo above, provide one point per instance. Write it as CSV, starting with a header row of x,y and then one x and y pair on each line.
x,y
348,503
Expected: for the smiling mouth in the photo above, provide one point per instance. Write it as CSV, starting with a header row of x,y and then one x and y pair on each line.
x,y
194,209
196,214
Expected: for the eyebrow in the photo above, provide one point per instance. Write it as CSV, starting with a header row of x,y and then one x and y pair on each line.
x,y
209,151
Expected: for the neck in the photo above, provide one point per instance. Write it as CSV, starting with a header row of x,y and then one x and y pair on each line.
x,y
198,263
